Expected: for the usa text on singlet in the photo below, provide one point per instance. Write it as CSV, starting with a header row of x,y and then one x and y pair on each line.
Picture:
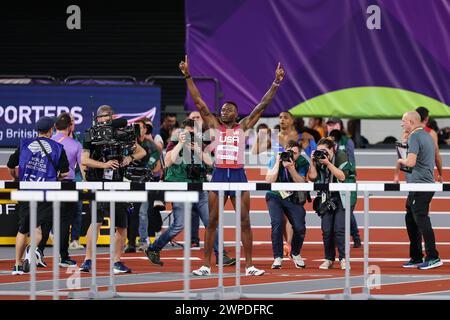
x,y
229,147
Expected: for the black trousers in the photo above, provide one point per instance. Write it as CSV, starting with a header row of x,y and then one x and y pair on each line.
x,y
68,210
418,224
154,216
133,224
333,231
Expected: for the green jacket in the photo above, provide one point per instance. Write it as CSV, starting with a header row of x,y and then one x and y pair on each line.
x,y
341,162
178,172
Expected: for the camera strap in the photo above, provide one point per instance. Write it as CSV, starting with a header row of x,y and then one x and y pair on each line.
x,y
47,155
328,179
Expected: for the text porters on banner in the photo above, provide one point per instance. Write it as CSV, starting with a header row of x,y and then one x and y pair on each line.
x,y
22,105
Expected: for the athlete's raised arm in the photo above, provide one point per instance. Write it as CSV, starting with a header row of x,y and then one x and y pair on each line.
x,y
249,121
206,114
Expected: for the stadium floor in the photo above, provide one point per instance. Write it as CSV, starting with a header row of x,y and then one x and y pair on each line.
x,y
288,280
388,250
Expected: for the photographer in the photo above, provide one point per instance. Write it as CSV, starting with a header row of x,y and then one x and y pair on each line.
x,y
105,161
185,162
288,166
344,143
330,166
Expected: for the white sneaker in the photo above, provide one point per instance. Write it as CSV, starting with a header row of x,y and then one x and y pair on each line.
x,y
159,205
327,264
203,271
343,264
298,262
252,271
75,245
277,263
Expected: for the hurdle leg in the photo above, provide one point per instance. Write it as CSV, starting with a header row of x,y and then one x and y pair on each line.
x,y
238,243
33,219
56,245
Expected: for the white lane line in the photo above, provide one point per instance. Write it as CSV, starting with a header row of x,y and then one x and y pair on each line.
x,y
314,280
88,277
318,227
321,243
429,293
258,196
373,291
377,260
377,212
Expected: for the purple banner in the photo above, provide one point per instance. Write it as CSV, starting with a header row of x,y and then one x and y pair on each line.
x,y
363,58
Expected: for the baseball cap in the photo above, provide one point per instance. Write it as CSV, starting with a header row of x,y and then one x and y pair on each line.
x,y
45,123
334,120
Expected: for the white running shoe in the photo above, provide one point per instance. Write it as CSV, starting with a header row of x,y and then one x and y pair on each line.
x,y
75,245
327,264
203,271
343,264
298,262
277,263
252,271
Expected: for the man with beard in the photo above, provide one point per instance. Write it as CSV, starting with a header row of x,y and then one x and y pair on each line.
x,y
229,146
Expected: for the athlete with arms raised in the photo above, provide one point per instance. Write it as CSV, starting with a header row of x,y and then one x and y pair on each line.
x,y
229,147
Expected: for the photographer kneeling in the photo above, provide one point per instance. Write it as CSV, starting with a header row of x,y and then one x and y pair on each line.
x,y
185,162
109,147
328,167
288,166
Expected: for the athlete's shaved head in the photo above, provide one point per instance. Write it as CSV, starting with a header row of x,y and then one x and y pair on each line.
x,y
410,121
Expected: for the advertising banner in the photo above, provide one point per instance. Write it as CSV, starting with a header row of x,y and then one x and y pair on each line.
x,y
22,105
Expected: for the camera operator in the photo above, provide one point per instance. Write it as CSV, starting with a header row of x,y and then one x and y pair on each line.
x,y
144,170
330,166
102,169
185,162
288,166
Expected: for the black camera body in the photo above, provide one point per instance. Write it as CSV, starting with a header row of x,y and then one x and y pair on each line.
x,y
112,134
320,154
139,174
321,208
111,140
287,156
195,171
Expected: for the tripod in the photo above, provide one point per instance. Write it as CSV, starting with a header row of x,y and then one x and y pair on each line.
x,y
172,242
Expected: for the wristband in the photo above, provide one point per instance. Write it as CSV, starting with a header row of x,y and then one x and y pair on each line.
x,y
188,76
276,84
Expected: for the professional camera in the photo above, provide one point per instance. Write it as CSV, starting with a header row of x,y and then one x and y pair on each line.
x,y
195,171
321,208
139,174
113,133
320,154
287,156
111,140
